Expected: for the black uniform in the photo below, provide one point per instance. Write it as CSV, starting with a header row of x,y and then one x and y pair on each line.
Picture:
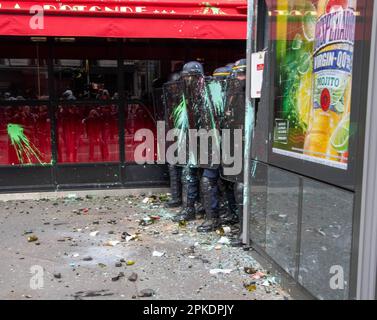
x,y
210,180
192,74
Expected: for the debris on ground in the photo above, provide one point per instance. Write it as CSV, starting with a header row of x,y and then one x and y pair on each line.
x,y
258,275
217,271
90,294
32,238
112,243
224,240
133,277
164,197
250,286
146,221
119,276
224,231
250,270
130,237
87,258
197,266
146,293
182,223
157,253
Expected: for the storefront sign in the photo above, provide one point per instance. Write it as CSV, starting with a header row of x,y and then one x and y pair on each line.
x,y
186,19
121,7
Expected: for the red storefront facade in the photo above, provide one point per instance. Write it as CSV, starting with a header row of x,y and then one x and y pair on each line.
x,y
79,78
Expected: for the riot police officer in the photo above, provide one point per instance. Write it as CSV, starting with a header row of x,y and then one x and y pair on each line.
x,y
211,174
191,74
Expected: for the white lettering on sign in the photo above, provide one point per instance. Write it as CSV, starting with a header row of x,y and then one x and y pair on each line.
x,y
49,7
95,8
140,9
90,6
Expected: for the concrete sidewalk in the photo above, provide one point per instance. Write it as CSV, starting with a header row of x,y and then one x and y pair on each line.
x,y
101,248
80,193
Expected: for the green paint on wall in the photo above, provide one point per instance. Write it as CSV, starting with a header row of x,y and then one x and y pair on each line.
x,y
22,145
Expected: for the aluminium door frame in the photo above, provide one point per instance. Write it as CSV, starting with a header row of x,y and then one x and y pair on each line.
x,y
367,259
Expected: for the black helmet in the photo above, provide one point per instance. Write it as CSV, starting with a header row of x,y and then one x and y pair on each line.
x,y
175,76
239,66
222,72
193,67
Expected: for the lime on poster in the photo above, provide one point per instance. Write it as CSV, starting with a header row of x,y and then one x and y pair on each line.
x,y
314,58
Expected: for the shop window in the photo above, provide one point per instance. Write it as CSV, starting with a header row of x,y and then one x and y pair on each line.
x,y
326,239
258,204
140,76
87,134
281,219
23,79
25,135
139,116
86,79
143,85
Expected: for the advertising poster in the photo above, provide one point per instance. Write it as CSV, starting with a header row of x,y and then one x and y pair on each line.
x,y
314,58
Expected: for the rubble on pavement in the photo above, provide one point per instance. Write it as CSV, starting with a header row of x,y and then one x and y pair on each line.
x,y
122,248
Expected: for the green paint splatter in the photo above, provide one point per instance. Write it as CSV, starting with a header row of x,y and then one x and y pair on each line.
x,y
217,94
215,105
22,145
180,116
181,122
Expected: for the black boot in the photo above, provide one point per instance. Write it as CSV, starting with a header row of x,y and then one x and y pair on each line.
x,y
209,225
173,203
175,187
210,192
187,214
189,186
199,208
230,216
190,194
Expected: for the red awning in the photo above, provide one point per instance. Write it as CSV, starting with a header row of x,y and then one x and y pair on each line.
x,y
187,19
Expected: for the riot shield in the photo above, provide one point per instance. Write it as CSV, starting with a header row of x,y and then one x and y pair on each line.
x,y
216,90
174,105
176,113
195,95
194,90
212,111
234,118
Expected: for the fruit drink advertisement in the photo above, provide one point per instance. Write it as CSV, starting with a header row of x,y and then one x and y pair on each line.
x,y
314,57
